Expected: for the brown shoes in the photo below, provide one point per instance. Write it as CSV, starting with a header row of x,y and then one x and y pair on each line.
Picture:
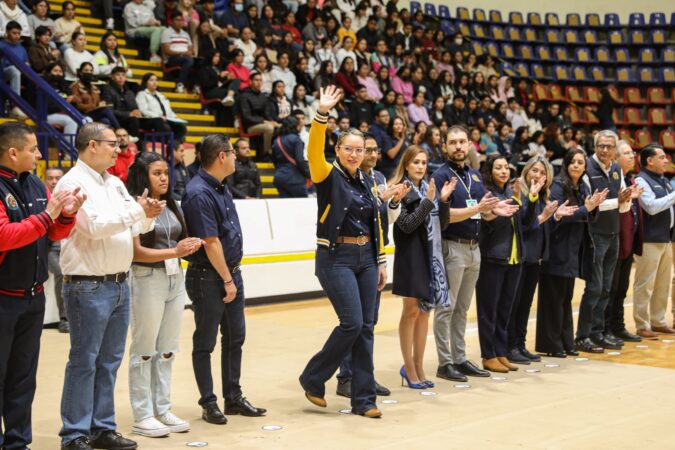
x,y
664,330
493,365
318,401
648,334
372,413
506,363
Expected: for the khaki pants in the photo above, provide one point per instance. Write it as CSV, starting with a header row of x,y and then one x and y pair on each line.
x,y
267,131
650,290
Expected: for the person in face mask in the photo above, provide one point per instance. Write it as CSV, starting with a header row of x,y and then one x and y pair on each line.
x,y
54,76
87,97
234,19
458,45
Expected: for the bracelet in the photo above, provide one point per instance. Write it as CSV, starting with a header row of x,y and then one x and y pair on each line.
x,y
229,282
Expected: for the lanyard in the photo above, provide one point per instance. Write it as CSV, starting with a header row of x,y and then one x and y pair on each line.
x,y
468,189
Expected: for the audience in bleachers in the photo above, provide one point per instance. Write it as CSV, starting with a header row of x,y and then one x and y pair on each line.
x,y
119,95
12,75
40,17
87,97
10,11
42,54
156,111
54,75
140,21
110,57
76,55
66,25
177,50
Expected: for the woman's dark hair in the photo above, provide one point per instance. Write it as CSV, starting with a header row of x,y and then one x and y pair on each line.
x,y
419,125
51,66
115,55
519,133
289,125
144,80
486,170
41,31
76,35
65,4
458,79
237,52
295,91
537,134
564,175
262,55
275,84
344,61
138,181
34,8
210,55
83,65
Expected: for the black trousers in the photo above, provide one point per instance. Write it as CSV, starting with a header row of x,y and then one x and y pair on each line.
x,y
614,321
20,330
205,289
131,124
161,126
495,294
520,313
555,325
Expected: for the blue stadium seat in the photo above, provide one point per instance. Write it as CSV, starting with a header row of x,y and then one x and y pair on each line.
x,y
597,74
590,37
622,55
522,70
560,54
612,20
477,31
647,56
583,55
668,76
497,33
444,12
516,18
593,20
525,52
602,55
543,53
539,72
507,51
561,73
463,13
479,15
513,34
415,6
477,48
492,49
447,27
530,35
571,37
668,56
637,37
657,19
495,16
552,36
534,19
625,75
579,73
658,37
636,20
430,10
552,20
463,28
647,75
507,69
615,37
573,20
672,19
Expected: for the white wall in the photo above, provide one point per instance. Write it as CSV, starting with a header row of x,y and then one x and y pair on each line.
x,y
623,8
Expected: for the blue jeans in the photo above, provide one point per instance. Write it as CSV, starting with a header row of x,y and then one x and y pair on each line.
x,y
345,373
349,277
98,313
185,63
598,286
206,290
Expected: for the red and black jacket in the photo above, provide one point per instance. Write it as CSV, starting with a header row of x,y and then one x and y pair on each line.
x,y
24,229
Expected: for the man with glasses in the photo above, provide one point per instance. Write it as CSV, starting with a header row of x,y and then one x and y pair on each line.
x,y
213,280
95,262
603,173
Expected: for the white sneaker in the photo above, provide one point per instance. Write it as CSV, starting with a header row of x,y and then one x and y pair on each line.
x,y
155,59
175,424
150,427
16,113
133,139
180,88
228,101
110,24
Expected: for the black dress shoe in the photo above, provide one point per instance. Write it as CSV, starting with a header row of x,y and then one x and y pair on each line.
x,y
381,391
627,336
609,337
601,342
448,372
244,408
586,345
556,354
472,370
211,413
64,326
572,352
112,440
344,388
81,443
516,357
531,356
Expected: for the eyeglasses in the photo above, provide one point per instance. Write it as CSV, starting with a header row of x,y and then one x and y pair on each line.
x,y
605,147
357,150
371,150
115,144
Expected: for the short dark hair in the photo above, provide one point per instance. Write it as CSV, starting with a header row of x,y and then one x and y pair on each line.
x,y
645,153
211,147
13,25
296,112
42,30
90,132
458,129
118,69
368,135
13,134
176,14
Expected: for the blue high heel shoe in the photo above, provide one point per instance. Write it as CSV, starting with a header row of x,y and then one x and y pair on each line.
x,y
404,376
428,383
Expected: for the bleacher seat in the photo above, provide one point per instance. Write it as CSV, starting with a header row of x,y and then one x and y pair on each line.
x,y
444,12
530,35
571,37
543,53
625,75
647,56
415,6
590,37
589,117
534,19
583,55
575,117
659,37
513,34
430,10
477,31
552,36
507,69
612,20
602,55
657,96
573,20
516,18
614,92
633,117
497,33
643,138
522,70
552,20
668,55
624,134
636,37
561,73
592,94
647,75
556,92
477,48
667,139
574,94
560,54
615,37
598,74
621,55
539,72
479,15
633,96
463,13
672,19
540,92
447,27
525,52
593,20
507,51
657,19
495,16
636,20
492,49
668,75
464,28
579,74
658,117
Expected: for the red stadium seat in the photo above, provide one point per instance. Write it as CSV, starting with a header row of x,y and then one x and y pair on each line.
x,y
658,117
632,96
633,117
592,94
643,138
656,96
574,94
541,92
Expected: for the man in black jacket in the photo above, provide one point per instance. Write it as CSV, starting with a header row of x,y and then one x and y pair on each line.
x,y
361,109
245,182
252,108
123,101
456,114
181,176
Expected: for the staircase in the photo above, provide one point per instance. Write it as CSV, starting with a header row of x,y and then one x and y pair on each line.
x,y
185,105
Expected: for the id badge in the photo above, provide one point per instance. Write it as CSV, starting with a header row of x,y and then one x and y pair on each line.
x,y
473,202
172,266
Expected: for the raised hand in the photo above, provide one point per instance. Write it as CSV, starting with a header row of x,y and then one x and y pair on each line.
x,y
431,190
487,203
74,202
505,208
536,186
328,98
447,189
56,203
152,207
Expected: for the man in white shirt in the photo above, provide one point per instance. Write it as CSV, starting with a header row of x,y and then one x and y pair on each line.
x,y
177,50
247,45
95,260
283,73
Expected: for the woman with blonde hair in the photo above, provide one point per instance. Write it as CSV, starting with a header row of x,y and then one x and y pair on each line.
x,y
419,269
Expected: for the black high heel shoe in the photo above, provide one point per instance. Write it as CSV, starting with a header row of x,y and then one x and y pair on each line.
x,y
557,354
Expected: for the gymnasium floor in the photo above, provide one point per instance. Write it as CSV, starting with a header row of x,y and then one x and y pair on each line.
x,y
614,402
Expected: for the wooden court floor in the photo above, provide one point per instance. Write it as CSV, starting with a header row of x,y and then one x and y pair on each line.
x,y
622,401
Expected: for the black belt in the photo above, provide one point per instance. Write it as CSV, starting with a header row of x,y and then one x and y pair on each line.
x,y
209,267
116,277
471,242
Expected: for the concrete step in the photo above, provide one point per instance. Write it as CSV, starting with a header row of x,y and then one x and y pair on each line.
x,y
270,192
100,31
206,130
93,48
133,63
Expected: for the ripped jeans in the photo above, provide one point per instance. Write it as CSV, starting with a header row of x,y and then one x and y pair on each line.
x,y
157,305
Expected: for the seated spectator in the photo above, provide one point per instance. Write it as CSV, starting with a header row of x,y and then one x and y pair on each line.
x,y
204,42
401,83
505,89
288,26
486,65
402,112
252,106
331,26
551,116
268,21
504,140
380,58
325,53
382,79
487,143
380,129
207,12
304,130
11,12
87,97
194,166
66,25
123,101
433,144
515,114
302,78
417,112
291,168
499,113
521,145
156,110
40,18
267,47
12,44
54,75
536,146
246,44
370,33
190,16
346,78
126,156
181,176
553,142
456,113
140,21
76,55
282,72
347,50
394,146
325,76
109,57
239,70
437,113
177,50
278,105
234,19
164,10
372,89
345,31
331,139
361,108
307,12
218,83
299,101
262,66
41,54
245,182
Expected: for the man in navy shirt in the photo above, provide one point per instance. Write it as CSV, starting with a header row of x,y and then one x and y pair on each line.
x,y
468,204
234,19
213,280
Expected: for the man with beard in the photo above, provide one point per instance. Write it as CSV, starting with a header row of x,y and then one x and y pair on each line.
x,y
125,158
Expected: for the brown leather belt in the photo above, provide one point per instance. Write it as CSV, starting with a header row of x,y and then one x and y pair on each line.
x,y
356,240
116,277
